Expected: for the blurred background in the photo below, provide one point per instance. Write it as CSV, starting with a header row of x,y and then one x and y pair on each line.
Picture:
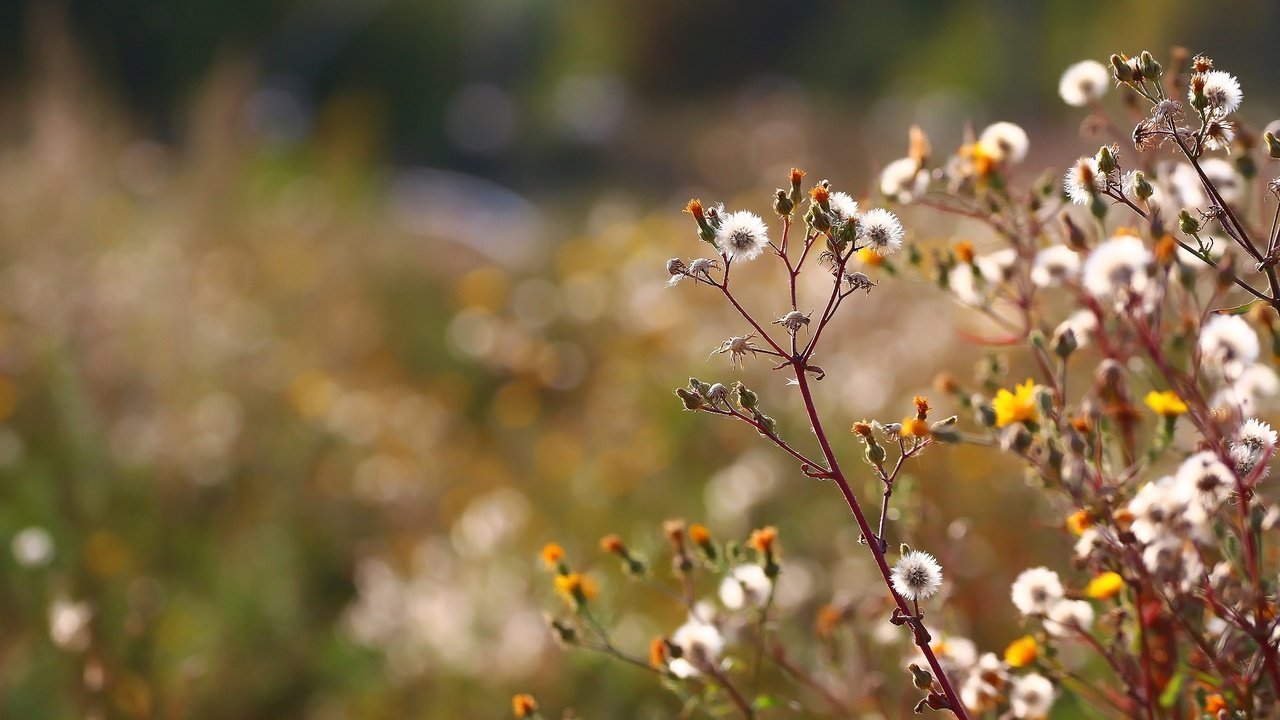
x,y
317,319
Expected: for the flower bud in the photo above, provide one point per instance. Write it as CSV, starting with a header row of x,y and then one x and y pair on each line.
x,y
782,204
986,414
1075,236
691,400
1188,224
796,176
1065,342
1120,69
1141,187
1016,438
1273,145
1106,160
1150,68
747,399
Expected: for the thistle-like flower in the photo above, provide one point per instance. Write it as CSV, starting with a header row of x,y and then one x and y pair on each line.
x,y
793,321
742,235
917,575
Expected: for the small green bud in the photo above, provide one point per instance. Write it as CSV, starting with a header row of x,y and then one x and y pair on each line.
x,y
1098,206
768,424
1141,187
1247,166
1150,68
1106,160
1120,69
691,400
1037,339
1188,224
746,398
921,678
1273,145
782,204
1044,399
1065,342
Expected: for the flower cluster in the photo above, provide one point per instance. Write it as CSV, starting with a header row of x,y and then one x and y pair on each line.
x,y
1142,286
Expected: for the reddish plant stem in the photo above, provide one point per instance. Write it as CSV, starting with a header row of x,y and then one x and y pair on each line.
x,y
953,699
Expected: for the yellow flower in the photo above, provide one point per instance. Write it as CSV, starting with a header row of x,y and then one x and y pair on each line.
x,y
913,426
1214,704
1021,652
1166,403
577,589
1017,406
869,256
1079,521
1104,586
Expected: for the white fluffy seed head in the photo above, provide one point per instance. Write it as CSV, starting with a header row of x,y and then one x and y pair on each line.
x,y
1083,180
1120,264
1069,616
1228,344
1084,82
1222,90
1032,697
917,575
1055,265
881,230
742,235
1005,141
1036,590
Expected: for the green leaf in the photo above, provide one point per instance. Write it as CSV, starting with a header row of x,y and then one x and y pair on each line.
x,y
1170,694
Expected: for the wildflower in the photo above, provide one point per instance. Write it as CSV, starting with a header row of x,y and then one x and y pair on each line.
x,y
552,555
745,585
524,706
742,235
1166,403
1254,442
1219,134
575,588
843,207
763,540
828,619
1021,652
903,180
700,645
983,687
1214,704
1032,697
1087,543
956,654
1079,521
1228,344
997,267
699,534
1204,477
1084,82
1083,181
613,545
1017,406
1220,90
1055,265
917,575
882,230
1118,266
1069,615
913,426
1036,590
1247,390
1104,586
1005,142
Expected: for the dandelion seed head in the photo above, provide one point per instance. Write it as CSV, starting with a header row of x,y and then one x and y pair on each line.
x,y
1117,266
917,575
1222,90
1084,82
1036,590
1083,180
882,230
903,180
1005,142
1032,697
1228,344
742,235
1055,265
